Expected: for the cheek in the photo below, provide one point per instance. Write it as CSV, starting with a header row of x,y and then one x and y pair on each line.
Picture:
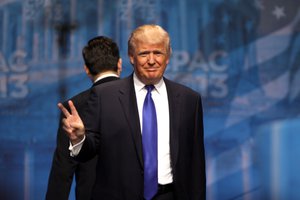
x,y
163,61
141,61
163,69
140,69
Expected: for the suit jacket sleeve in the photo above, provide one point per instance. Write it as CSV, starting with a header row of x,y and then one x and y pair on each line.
x,y
90,118
62,169
198,184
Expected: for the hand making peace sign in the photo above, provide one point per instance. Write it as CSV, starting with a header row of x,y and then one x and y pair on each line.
x,y
72,123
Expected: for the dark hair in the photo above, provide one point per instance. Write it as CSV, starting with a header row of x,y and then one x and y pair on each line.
x,y
101,54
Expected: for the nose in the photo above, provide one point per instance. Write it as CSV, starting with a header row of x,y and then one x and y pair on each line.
x,y
151,59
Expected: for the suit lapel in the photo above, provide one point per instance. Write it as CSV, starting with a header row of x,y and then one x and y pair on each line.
x,y
128,101
174,109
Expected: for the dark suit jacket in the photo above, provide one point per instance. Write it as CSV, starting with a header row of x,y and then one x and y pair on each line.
x,y
114,134
64,167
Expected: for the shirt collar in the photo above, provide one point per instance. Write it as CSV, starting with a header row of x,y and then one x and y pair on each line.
x,y
105,75
139,85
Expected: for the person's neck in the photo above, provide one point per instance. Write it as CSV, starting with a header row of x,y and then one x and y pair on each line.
x,y
104,74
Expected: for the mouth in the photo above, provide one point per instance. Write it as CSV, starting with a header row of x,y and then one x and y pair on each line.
x,y
151,69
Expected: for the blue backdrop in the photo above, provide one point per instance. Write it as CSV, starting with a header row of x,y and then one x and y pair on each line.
x,y
243,56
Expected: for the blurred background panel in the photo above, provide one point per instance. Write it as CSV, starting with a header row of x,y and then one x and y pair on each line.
x,y
243,56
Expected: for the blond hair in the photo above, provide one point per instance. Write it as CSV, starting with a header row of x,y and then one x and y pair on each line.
x,y
150,33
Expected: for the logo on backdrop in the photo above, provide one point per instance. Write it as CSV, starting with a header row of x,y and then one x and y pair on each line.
x,y
14,76
206,75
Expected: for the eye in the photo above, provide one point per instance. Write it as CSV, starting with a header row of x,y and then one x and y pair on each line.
x,y
158,53
143,54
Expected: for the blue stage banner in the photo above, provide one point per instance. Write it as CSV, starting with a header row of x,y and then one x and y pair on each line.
x,y
242,56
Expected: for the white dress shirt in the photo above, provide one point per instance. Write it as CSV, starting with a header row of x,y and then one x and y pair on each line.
x,y
160,98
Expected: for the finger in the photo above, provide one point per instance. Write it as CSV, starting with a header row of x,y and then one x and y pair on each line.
x,y
63,110
65,123
72,108
67,130
77,126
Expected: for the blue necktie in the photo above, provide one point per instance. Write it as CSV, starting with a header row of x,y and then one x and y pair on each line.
x,y
149,135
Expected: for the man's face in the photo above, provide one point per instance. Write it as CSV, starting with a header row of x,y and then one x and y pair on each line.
x,y
149,61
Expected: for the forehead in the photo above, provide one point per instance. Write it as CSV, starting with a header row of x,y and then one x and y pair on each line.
x,y
148,46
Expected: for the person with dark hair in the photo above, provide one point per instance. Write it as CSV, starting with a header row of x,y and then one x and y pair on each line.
x,y
102,63
146,130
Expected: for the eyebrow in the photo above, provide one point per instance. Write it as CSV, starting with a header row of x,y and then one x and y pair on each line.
x,y
155,52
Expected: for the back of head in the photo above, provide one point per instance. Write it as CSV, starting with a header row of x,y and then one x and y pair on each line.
x,y
100,55
150,33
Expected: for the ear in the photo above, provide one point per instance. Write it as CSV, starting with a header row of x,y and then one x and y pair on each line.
x,y
167,61
88,72
131,59
170,53
119,66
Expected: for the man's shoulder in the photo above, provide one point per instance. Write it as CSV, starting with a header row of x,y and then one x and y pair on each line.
x,y
179,88
79,98
82,95
113,85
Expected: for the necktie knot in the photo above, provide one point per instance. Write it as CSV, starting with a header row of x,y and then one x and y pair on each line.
x,y
149,88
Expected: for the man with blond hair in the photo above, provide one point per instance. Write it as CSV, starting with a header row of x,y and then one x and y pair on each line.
x,y
146,130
